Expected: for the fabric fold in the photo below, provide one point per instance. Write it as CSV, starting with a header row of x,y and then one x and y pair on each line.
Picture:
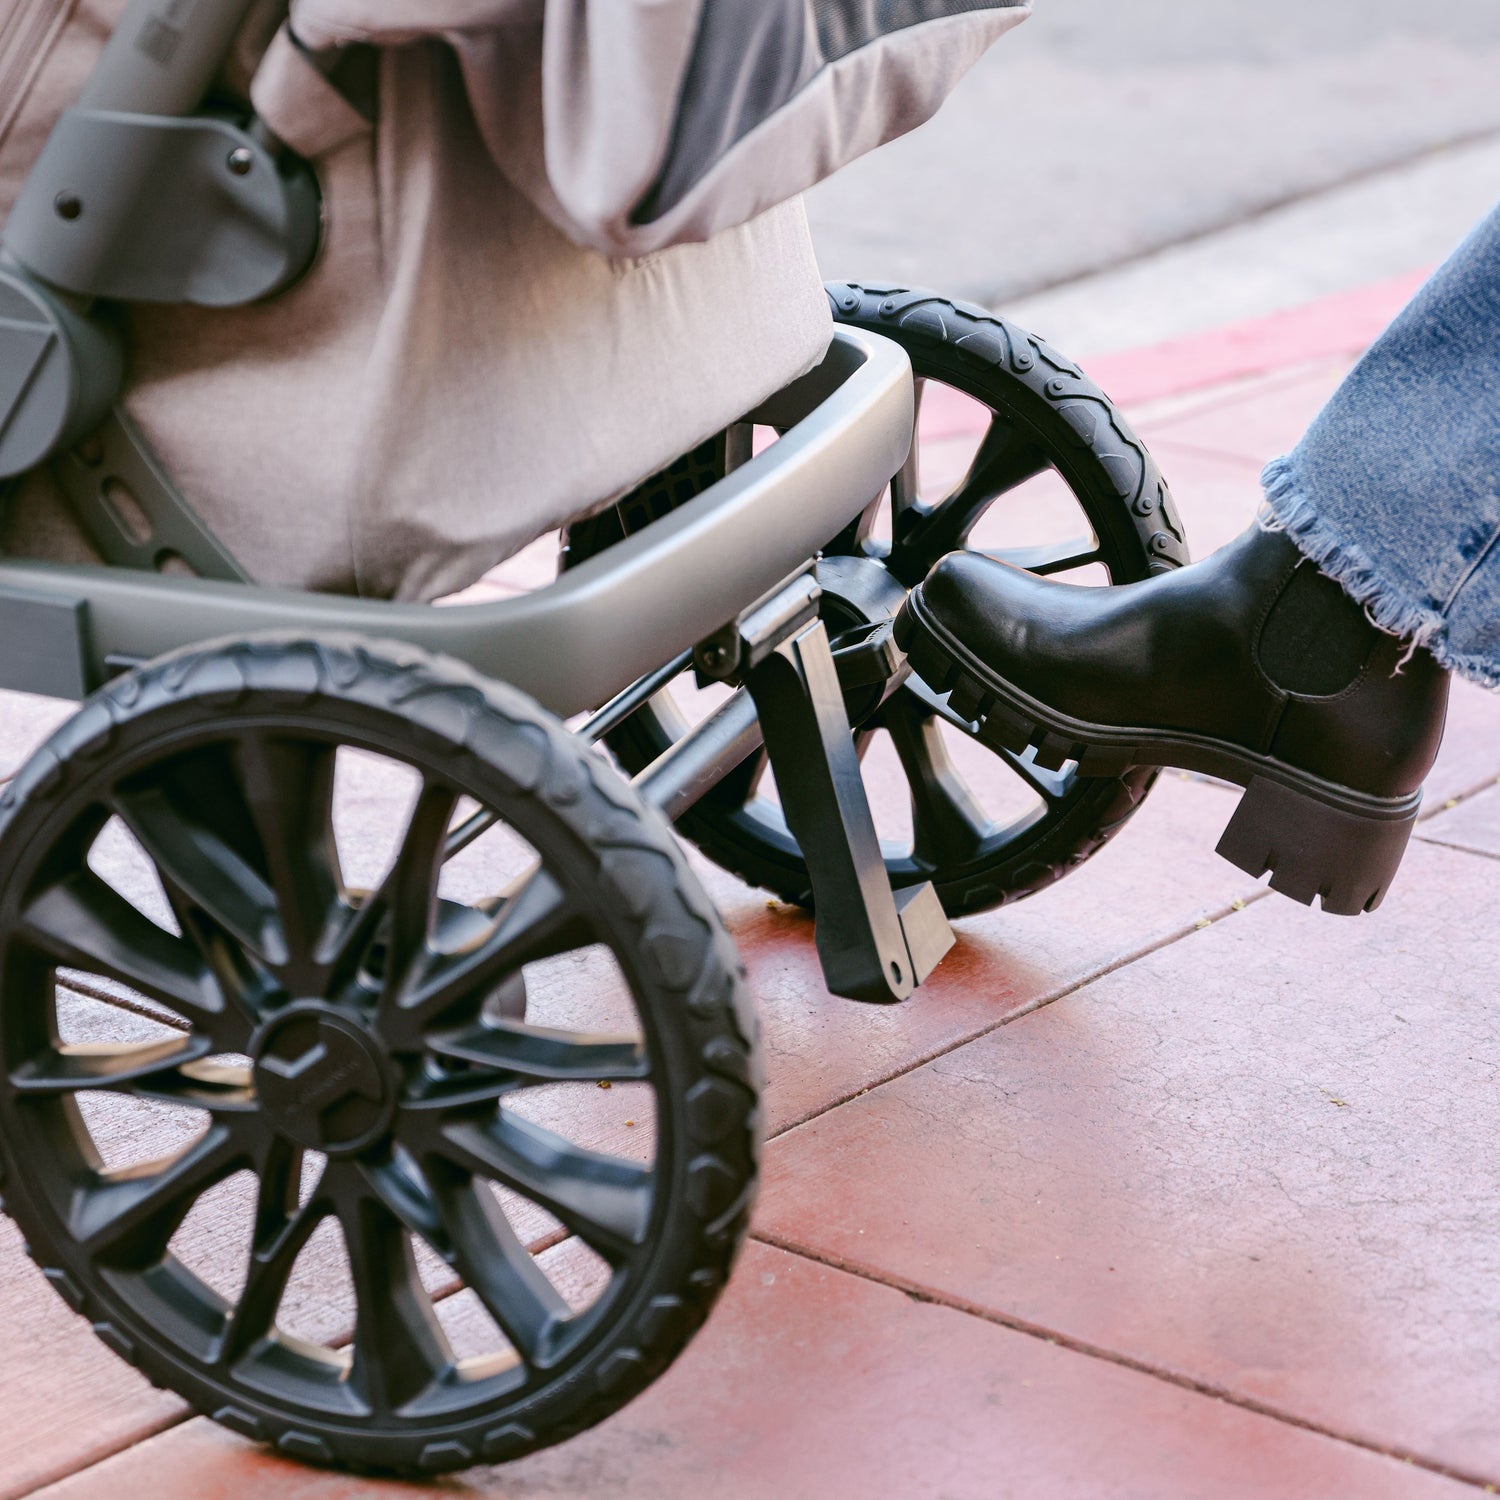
x,y
635,125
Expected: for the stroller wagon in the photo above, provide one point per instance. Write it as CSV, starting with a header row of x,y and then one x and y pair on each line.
x,y
394,1062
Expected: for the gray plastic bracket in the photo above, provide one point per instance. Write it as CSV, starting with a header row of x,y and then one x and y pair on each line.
x,y
130,509
60,370
143,208
47,636
741,645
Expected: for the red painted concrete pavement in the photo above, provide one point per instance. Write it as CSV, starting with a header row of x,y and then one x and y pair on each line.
x,y
1262,1158
811,1384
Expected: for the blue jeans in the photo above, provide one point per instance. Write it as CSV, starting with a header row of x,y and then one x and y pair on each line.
x,y
1395,490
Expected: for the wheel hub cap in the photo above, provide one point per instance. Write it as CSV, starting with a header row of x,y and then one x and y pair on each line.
x,y
323,1080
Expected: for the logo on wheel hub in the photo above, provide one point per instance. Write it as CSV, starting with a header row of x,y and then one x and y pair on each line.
x,y
322,1079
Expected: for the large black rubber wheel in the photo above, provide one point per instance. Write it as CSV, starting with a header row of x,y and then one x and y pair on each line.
x,y
1044,414
354,1060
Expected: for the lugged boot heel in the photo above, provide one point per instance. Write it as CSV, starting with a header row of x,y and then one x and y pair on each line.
x,y
1313,849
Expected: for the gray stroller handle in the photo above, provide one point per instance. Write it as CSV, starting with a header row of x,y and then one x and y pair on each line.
x,y
163,56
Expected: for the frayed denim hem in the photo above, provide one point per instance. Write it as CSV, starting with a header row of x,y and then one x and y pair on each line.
x,y
1292,511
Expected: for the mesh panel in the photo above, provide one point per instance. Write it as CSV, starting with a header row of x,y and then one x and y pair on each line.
x,y
649,501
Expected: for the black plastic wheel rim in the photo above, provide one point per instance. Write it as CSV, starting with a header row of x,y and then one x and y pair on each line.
x,y
369,1028
951,833
975,859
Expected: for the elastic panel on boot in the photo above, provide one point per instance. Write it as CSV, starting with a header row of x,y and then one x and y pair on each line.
x,y
1316,639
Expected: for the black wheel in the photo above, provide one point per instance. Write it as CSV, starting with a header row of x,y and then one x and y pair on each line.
x,y
1058,484
433,1166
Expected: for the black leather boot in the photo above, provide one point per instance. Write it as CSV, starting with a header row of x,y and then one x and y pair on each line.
x,y
1251,666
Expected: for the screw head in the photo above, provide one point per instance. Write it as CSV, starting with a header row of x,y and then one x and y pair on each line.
x,y
69,206
241,160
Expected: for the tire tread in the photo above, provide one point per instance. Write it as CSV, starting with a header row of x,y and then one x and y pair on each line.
x,y
454,707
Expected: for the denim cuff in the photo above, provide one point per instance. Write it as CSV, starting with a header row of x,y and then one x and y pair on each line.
x,y
1290,508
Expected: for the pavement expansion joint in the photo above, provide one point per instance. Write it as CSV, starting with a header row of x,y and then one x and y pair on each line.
x,y
1082,981
1457,799
1041,1332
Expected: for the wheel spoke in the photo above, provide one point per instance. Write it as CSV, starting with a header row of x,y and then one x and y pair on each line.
x,y
358,929
536,1054
399,914
949,826
85,924
497,1267
536,920
466,1227
167,1072
1007,456
282,1230
399,1347
288,790
68,1069
605,1200
398,1182
410,890
127,1218
200,872
216,1087
1055,557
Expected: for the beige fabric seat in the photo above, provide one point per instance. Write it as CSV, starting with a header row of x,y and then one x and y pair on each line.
x,y
492,341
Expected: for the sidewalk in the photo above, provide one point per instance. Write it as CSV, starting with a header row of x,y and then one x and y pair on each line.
x,y
1160,1188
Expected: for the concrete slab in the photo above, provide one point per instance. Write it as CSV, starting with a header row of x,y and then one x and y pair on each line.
x,y
1159,879
1260,1158
1470,757
810,1383
1255,425
68,1401
25,721
1472,825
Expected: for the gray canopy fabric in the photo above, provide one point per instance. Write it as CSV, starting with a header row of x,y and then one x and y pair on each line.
x,y
639,124
507,325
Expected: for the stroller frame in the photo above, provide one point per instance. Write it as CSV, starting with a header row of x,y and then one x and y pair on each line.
x,y
386,1029
745,543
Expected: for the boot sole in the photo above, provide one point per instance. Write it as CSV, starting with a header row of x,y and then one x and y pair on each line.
x,y
1317,840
